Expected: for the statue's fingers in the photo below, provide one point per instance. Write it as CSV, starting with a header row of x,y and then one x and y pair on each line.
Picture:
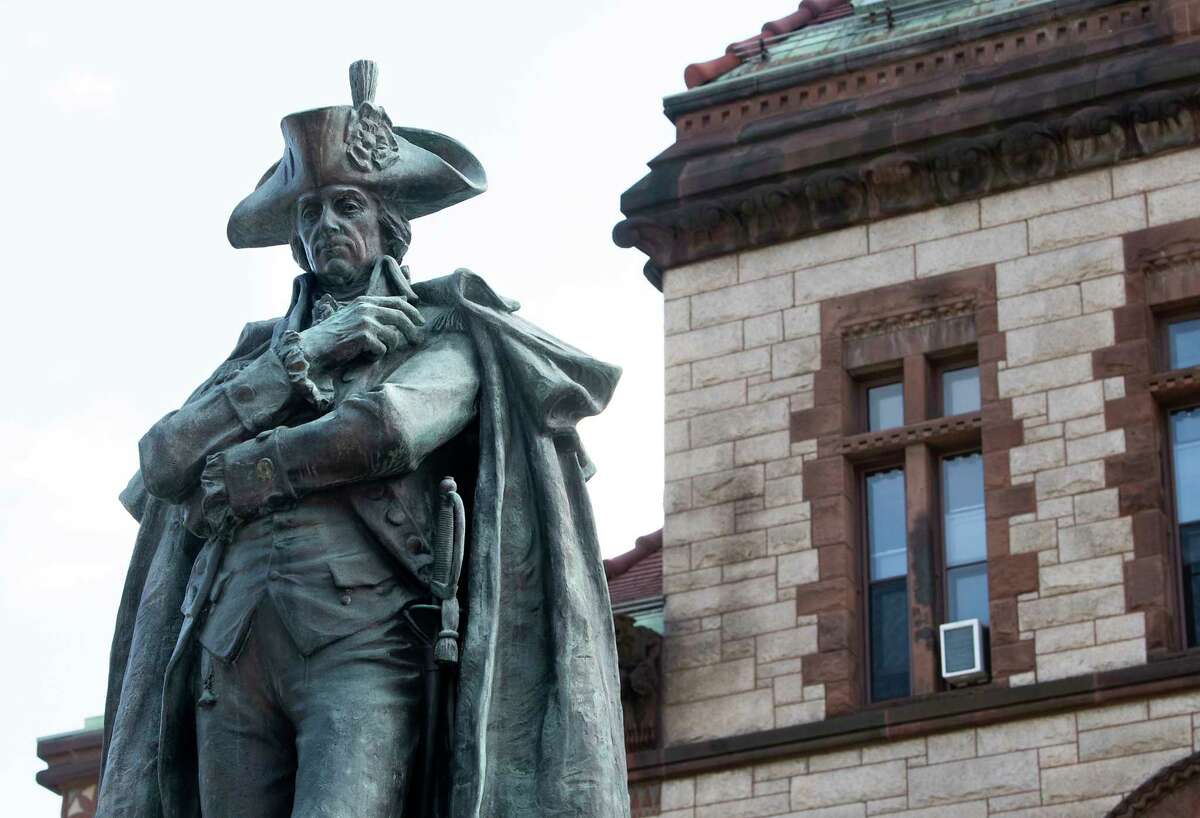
x,y
390,336
394,308
372,348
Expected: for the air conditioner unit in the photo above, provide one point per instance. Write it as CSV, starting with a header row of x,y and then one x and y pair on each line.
x,y
962,645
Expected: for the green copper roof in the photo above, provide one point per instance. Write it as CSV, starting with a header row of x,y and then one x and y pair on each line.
x,y
873,23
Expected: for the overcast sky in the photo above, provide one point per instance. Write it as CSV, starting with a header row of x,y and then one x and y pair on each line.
x,y
130,131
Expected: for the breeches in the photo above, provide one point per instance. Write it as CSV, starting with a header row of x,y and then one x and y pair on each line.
x,y
330,735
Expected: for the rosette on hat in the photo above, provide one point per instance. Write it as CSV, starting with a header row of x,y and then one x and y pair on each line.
x,y
413,171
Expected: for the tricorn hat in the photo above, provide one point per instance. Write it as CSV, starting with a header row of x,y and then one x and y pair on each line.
x,y
416,172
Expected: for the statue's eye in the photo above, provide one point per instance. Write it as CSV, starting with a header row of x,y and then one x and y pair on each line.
x,y
349,207
310,213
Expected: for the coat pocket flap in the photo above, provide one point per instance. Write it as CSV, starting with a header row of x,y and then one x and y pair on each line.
x,y
359,570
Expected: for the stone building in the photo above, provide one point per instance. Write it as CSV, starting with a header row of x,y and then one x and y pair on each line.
x,y
931,282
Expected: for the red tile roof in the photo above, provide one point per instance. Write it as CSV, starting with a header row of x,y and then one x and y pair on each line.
x,y
810,11
636,574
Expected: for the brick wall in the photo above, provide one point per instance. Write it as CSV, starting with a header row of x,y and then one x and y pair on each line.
x,y
748,337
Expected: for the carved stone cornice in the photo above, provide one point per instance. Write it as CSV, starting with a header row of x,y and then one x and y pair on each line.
x,y
911,318
1021,127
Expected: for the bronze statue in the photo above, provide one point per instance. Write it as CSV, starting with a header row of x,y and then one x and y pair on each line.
x,y
266,662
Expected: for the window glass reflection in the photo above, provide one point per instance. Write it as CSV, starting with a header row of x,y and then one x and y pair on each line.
x,y
885,407
1183,340
964,532
887,525
960,391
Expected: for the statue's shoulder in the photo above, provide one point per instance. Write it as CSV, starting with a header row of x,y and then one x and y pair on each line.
x,y
464,288
254,335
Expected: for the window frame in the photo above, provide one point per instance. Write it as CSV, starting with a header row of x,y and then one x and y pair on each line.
x,y
1164,319
1171,505
941,564
938,367
864,383
864,471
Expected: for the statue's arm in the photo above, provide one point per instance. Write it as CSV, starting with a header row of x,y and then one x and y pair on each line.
x,y
174,451
386,431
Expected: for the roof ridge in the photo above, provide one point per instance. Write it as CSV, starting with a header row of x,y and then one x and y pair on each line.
x,y
809,11
643,547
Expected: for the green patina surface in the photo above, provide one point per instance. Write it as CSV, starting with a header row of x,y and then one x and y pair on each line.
x,y
870,26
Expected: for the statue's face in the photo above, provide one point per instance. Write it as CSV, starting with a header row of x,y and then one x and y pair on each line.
x,y
339,227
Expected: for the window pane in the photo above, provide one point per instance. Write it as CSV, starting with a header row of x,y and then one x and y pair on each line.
x,y
887,524
885,407
1190,541
1185,441
1183,338
967,593
960,391
889,640
963,519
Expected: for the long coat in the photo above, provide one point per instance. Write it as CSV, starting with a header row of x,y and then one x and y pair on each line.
x,y
538,720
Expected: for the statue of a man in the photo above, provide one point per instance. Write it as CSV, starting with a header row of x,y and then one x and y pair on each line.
x,y
261,666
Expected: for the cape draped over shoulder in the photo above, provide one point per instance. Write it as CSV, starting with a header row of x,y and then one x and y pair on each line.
x,y
539,729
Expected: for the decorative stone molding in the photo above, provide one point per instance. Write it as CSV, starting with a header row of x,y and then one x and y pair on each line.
x,y
891,323
942,173
1172,792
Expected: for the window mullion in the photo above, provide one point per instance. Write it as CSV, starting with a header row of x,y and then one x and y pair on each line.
x,y
920,470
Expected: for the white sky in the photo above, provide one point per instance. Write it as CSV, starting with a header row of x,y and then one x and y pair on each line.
x,y
131,130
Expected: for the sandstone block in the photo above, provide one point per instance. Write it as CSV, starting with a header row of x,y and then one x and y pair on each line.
x,y
1065,637
907,748
1029,202
1026,734
1035,614
702,276
771,517
798,568
1039,307
1109,656
1162,171
784,539
784,491
1120,628
926,226
1016,381
801,321
724,550
951,746
1058,756
787,715
1130,739
677,316
709,399
1087,223
987,246
842,811
1057,268
1084,427
736,571
691,580
972,779
1173,204
676,437
1070,577
762,330
677,793
1083,542
1096,447
739,422
717,718
1058,339
803,253
731,367
729,596
790,644
709,681
727,785
849,785
1125,713
699,344
678,378
794,389
698,524
763,619
855,275
1111,776
796,357
1034,457
1091,808
692,650
1103,293
1096,506
727,486
677,496
835,761
1077,479
761,448
742,301
789,689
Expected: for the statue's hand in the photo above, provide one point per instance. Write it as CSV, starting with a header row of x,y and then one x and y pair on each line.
x,y
367,327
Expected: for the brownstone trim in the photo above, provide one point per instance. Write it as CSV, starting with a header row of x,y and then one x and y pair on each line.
x,y
951,710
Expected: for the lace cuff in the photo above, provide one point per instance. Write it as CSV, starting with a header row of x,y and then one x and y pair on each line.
x,y
217,516
295,363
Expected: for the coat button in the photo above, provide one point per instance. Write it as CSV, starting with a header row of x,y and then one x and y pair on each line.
x,y
415,545
395,516
345,599
244,393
